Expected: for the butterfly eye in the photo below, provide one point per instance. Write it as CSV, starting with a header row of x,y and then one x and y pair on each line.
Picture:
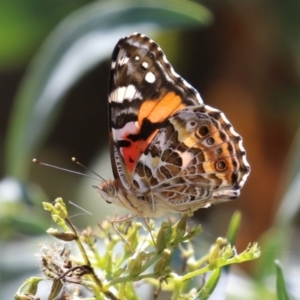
x,y
110,191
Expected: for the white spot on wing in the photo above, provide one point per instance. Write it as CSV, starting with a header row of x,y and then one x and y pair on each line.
x,y
125,92
128,128
123,60
186,158
150,77
145,65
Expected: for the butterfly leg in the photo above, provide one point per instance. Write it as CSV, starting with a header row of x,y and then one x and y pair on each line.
x,y
149,229
125,219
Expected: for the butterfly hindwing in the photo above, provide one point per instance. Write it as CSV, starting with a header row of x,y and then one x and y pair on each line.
x,y
192,161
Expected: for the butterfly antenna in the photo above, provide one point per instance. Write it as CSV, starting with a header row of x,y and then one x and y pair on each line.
x,y
74,159
62,169
81,208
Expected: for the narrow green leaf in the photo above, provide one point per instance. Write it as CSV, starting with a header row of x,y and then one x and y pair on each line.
x,y
234,227
281,289
232,232
210,285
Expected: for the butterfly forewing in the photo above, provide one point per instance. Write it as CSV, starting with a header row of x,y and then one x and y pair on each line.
x,y
144,91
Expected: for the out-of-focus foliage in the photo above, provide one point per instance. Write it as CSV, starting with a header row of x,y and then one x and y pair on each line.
x,y
24,24
109,271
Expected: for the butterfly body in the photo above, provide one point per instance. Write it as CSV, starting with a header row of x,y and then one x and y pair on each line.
x,y
170,152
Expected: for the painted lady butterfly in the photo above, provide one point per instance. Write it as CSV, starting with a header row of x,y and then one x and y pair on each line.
x,y
170,152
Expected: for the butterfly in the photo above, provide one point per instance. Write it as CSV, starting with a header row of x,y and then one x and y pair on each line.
x,y
169,151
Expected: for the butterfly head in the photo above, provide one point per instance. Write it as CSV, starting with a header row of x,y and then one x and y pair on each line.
x,y
107,191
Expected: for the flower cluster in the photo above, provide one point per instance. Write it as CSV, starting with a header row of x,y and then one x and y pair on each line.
x,y
116,255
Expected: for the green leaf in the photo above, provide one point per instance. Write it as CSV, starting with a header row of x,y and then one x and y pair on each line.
x,y
232,232
233,227
210,285
77,45
29,286
281,289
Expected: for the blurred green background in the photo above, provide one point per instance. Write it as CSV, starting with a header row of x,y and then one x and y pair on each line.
x,y
243,57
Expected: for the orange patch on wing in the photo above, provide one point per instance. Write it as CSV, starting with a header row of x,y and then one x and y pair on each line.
x,y
159,110
155,111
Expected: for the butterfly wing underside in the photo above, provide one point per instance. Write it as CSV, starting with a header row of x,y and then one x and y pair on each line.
x,y
169,151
